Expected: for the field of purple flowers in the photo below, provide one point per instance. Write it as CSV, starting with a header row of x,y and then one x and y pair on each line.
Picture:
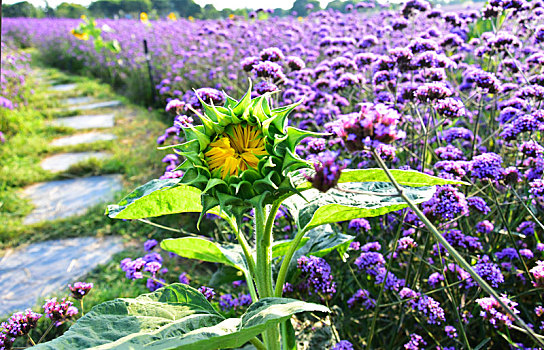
x,y
460,93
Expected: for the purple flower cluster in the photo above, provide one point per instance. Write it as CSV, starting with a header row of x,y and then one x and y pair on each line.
x,y
80,289
362,297
343,345
373,125
230,302
19,324
327,168
424,305
208,292
317,276
59,311
447,203
494,313
416,342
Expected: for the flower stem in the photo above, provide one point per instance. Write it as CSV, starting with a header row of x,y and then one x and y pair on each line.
x,y
46,331
81,303
263,235
455,254
247,254
286,261
31,340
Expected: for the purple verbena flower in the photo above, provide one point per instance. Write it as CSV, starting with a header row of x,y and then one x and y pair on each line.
x,y
80,289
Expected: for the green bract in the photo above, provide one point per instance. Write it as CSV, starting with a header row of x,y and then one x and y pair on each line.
x,y
261,185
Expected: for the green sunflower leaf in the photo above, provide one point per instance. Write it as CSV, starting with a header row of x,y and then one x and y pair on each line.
x,y
205,250
244,103
174,317
351,201
156,198
404,177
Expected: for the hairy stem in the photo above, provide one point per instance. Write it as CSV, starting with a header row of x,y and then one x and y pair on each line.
x,y
264,271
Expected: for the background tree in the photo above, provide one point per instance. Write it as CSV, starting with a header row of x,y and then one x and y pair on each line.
x,y
104,8
339,5
185,8
70,10
21,9
300,7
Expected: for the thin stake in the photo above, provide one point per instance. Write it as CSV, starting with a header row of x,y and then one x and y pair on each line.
x,y
148,61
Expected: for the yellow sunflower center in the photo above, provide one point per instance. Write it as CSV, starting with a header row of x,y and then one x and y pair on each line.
x,y
234,153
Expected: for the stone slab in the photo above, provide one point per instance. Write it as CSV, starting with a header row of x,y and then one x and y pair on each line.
x,y
86,121
77,100
104,104
79,139
64,198
41,269
63,161
63,87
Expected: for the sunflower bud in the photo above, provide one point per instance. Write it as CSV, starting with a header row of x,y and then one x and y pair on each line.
x,y
243,154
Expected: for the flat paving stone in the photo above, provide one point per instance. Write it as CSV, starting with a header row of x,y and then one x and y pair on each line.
x,y
78,139
63,161
105,104
77,100
63,87
86,121
41,269
64,198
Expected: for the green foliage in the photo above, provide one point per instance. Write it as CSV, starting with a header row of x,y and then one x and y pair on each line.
x,y
349,201
21,9
157,198
404,177
202,249
174,317
482,25
70,10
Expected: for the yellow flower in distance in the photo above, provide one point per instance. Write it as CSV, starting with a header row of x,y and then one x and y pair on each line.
x,y
240,151
231,16
191,18
172,16
143,18
83,17
80,36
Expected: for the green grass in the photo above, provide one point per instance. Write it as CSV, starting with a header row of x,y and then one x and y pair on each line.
x,y
133,154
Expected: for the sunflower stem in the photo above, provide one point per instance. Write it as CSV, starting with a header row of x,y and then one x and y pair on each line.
x,y
264,269
455,254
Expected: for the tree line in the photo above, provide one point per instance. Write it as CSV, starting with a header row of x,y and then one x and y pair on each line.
x,y
156,9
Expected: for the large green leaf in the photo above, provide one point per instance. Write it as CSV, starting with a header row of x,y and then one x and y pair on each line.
x,y
205,250
175,317
350,201
323,239
156,198
404,177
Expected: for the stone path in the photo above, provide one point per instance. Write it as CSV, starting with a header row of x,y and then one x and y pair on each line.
x,y
64,198
39,270
63,161
77,100
86,121
96,105
63,87
78,139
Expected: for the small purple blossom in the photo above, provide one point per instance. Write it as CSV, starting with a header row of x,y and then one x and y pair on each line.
x,y
59,311
80,289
